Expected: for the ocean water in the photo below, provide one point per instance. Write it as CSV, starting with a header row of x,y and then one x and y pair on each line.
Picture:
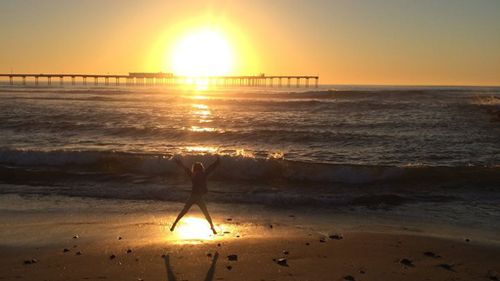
x,y
326,147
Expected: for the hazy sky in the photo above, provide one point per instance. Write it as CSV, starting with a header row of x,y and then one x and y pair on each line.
x,y
445,42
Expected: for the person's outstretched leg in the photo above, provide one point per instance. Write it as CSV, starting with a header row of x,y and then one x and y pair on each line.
x,y
184,210
204,209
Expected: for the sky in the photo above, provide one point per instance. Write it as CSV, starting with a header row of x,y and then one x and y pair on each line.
x,y
376,42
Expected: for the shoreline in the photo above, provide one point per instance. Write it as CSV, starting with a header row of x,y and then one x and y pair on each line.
x,y
104,228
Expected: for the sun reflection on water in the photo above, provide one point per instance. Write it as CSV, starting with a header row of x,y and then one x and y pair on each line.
x,y
201,149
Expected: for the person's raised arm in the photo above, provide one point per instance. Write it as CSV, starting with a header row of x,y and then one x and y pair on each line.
x,y
186,169
212,166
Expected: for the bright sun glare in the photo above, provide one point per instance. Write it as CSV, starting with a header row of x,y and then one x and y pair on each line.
x,y
193,229
203,53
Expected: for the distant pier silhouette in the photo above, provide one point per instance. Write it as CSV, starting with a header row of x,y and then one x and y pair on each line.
x,y
160,78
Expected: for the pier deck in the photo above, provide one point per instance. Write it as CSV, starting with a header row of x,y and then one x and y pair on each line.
x,y
144,78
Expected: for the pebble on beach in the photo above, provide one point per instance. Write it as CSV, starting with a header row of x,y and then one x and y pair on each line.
x,y
349,278
232,257
31,261
112,257
336,237
406,262
65,250
431,255
447,266
282,262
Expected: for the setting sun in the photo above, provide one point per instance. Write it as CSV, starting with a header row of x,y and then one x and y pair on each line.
x,y
204,52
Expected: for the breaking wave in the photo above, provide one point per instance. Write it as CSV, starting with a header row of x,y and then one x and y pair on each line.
x,y
236,168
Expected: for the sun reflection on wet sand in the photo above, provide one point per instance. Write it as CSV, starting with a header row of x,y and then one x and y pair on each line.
x,y
194,230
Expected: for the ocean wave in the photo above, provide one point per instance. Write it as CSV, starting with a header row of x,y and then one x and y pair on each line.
x,y
242,167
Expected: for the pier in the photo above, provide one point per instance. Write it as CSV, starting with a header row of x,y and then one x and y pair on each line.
x,y
160,78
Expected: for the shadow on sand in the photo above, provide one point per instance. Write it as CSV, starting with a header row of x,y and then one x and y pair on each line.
x,y
208,277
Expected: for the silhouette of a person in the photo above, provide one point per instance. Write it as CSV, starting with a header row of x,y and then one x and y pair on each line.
x,y
208,277
198,175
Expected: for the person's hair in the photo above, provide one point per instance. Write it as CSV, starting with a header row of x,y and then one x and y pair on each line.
x,y
197,167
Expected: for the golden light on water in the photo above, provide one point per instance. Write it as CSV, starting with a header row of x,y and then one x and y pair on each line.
x,y
201,111
202,149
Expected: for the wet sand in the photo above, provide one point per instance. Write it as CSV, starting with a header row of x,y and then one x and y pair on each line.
x,y
110,245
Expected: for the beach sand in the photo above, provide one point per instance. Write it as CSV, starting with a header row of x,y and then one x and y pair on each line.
x,y
124,241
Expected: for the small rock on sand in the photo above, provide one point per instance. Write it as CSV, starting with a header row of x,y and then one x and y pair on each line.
x,y
322,240
218,244
112,257
232,257
282,262
65,250
431,255
209,255
129,251
467,240
229,219
78,253
31,261
229,267
336,237
349,278
406,262
76,236
285,252
270,226
120,238
307,244
446,266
